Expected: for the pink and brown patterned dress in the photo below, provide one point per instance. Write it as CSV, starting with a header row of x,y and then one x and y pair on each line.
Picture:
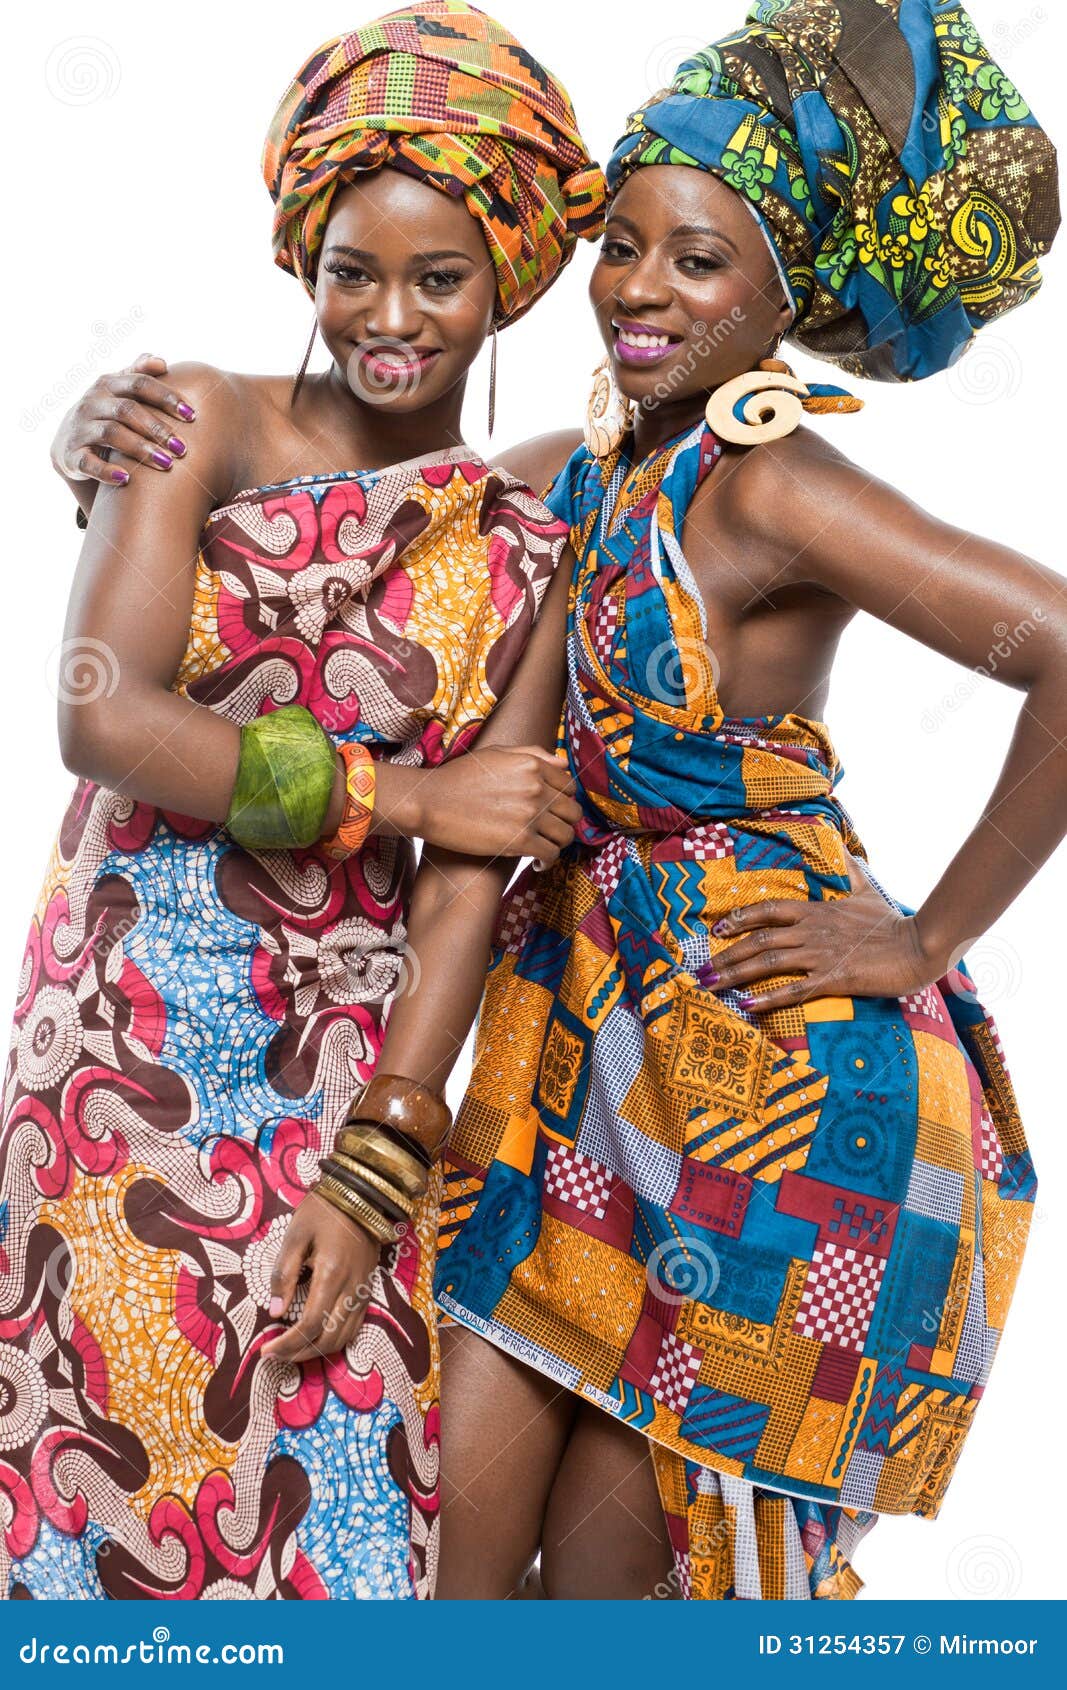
x,y
193,1020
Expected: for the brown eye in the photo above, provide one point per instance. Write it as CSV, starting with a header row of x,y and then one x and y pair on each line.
x,y
347,274
699,263
440,281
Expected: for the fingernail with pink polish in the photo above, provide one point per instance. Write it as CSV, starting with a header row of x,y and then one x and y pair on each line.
x,y
711,977
719,929
176,446
187,412
276,1307
161,459
121,476
746,1002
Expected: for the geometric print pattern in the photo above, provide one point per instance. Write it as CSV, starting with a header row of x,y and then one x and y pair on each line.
x,y
577,1180
839,1295
784,1245
675,1373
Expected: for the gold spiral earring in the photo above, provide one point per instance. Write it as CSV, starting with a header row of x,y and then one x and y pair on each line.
x,y
608,415
773,405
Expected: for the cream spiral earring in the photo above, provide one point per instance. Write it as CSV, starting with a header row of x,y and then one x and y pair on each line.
x,y
773,405
608,415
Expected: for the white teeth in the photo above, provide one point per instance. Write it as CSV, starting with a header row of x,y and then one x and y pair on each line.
x,y
630,339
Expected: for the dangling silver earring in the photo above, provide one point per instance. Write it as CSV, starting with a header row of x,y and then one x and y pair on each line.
x,y
302,372
492,384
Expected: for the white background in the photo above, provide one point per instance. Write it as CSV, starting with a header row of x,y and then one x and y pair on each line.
x,y
136,220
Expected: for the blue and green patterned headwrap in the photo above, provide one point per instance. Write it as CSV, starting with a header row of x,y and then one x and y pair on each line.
x,y
903,183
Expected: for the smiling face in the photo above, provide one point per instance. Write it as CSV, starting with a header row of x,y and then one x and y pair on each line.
x,y
685,290
405,291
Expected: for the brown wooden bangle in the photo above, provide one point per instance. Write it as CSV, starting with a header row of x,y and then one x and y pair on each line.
x,y
405,1105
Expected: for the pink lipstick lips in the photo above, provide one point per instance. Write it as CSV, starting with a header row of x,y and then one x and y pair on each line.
x,y
641,343
395,367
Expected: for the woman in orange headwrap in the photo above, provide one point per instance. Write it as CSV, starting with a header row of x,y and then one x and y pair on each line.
x,y
218,1364
740,1166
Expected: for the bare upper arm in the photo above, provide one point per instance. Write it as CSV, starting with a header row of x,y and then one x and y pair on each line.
x,y
129,605
539,461
843,529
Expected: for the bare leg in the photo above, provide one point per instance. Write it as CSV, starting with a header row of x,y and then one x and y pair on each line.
x,y
504,1429
530,1589
604,1536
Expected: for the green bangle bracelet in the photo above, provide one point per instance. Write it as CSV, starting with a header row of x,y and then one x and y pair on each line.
x,y
285,776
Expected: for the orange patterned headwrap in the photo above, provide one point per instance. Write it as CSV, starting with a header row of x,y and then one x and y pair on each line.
x,y
446,94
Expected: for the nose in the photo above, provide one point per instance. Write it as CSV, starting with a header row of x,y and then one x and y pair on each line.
x,y
644,284
394,314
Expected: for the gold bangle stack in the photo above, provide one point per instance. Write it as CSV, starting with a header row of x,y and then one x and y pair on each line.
x,y
380,1164
371,1177
357,1208
377,1150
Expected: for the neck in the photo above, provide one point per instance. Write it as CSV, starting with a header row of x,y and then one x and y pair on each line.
x,y
376,436
673,417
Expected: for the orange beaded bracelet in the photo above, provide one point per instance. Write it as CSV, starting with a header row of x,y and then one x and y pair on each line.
x,y
360,774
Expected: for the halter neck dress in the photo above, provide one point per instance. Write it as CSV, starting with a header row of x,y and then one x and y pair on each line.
x,y
782,1245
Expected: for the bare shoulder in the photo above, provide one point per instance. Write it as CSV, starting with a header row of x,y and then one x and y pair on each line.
x,y
784,493
211,389
234,412
539,461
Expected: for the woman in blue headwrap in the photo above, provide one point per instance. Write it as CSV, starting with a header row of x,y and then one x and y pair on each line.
x,y
740,1166
740,1161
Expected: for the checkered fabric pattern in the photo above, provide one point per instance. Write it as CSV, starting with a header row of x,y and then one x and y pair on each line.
x,y
839,1295
577,1180
675,1373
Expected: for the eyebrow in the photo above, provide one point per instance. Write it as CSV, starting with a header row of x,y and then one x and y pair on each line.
x,y
417,257
683,229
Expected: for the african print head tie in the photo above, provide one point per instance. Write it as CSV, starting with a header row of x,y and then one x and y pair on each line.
x,y
904,184
446,94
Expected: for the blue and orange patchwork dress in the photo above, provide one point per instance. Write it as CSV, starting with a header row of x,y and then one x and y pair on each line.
x,y
782,1245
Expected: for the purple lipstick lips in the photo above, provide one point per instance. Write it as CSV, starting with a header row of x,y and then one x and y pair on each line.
x,y
641,343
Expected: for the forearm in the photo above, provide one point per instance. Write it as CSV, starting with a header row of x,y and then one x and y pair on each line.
x,y
160,748
1022,824
403,801
453,909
